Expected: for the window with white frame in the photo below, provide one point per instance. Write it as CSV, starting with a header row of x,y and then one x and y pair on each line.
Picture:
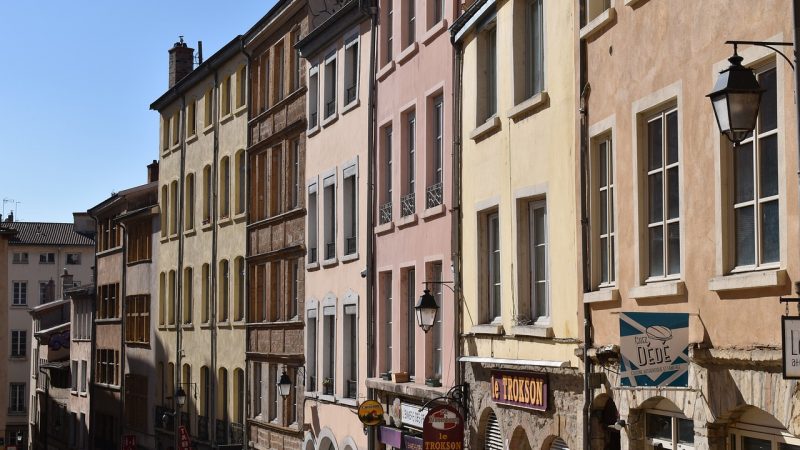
x,y
433,196
410,322
386,296
411,22
73,258
20,293
596,7
46,291
669,432
351,70
603,211
295,184
538,264
663,195
311,349
313,97
47,258
386,176
20,258
16,394
408,201
388,31
330,86
487,72
350,209
19,343
350,354
437,13
490,266
329,216
329,348
437,332
534,48
756,212
312,223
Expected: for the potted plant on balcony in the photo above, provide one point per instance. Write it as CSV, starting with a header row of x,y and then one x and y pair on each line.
x,y
327,385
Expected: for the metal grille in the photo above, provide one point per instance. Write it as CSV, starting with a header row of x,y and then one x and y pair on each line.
x,y
349,245
312,255
350,94
385,213
493,439
558,444
330,108
330,250
352,388
407,205
433,196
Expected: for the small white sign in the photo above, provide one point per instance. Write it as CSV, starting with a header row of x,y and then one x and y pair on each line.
x,y
412,415
791,347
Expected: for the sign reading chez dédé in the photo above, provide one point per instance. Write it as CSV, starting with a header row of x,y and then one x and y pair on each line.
x,y
654,349
526,390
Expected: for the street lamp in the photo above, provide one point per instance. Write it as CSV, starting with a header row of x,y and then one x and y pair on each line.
x,y
284,385
735,99
426,310
180,397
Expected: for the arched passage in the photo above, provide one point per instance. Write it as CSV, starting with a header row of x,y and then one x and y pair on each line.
x,y
604,435
519,440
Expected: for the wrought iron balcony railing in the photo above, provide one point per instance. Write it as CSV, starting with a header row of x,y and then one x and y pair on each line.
x,y
385,213
433,196
407,205
352,389
312,255
202,428
349,245
330,108
330,250
350,94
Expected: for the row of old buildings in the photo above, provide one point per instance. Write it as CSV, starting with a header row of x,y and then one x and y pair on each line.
x,y
550,172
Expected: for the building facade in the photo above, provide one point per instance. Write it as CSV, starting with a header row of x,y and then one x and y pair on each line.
x,y
413,164
704,230
201,267
276,226
518,136
79,406
336,171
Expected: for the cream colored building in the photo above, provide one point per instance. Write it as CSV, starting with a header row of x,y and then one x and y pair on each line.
x,y
519,247
201,271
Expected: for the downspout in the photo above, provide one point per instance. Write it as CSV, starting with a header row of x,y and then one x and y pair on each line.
x,y
179,275
123,292
246,264
93,344
212,420
456,213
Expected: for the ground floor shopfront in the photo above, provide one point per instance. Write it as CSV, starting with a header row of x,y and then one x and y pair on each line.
x,y
735,400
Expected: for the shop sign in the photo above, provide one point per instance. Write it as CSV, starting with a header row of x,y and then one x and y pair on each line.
x,y
526,390
413,443
790,326
130,442
390,436
443,429
370,412
185,442
654,349
412,415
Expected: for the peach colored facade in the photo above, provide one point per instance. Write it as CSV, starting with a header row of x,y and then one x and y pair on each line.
x,y
736,392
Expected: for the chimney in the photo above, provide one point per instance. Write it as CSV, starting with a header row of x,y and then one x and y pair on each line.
x,y
66,282
152,171
181,61
10,217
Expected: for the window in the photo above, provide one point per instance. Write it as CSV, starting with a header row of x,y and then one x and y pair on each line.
x,y
408,204
208,111
171,298
350,209
140,240
258,389
173,213
136,401
386,295
20,258
603,211
312,223
276,181
596,7
224,290
490,262
272,416
188,295
438,12
313,97
258,277
437,332
108,232
107,306
107,367
280,71
47,258
207,187
534,49
386,175
294,289
47,291
433,196
538,264
260,95
311,349
350,355
241,86
137,319
329,218
73,376
668,432
410,322
294,185
191,117
225,186
19,343
329,348
756,194
297,62
272,289
82,320
204,293
222,399
487,73
238,387
663,195
73,258
351,71
225,96
188,221
330,86
16,402
205,392
164,217
162,299
411,22
84,375
173,122
164,133
238,308
241,180
389,31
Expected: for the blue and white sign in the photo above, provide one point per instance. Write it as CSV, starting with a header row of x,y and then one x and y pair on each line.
x,y
654,349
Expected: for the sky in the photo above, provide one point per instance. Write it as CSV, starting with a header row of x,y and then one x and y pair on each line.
x,y
76,82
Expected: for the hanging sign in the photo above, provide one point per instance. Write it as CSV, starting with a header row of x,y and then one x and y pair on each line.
x,y
443,429
370,412
790,327
526,390
130,442
185,440
412,415
654,349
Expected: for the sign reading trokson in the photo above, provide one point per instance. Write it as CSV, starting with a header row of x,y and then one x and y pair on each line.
x,y
790,330
443,429
654,349
526,390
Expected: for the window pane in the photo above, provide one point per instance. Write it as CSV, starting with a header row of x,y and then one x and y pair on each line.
x,y
604,260
743,162
656,198
654,144
611,263
659,427
768,167
672,137
657,251
539,226
611,209
674,249
603,212
603,163
673,195
540,271
751,443
540,291
745,236
768,111
770,240
685,431
785,446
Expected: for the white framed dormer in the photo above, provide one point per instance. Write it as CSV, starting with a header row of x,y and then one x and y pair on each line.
x,y
352,67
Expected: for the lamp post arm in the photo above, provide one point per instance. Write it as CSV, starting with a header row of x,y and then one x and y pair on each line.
x,y
443,283
769,45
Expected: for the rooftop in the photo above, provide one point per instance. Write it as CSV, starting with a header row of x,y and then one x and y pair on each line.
x,y
46,233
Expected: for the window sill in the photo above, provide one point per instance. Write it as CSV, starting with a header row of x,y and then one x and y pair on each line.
x,y
488,328
431,213
407,221
406,54
240,109
598,24
239,217
312,266
109,320
224,221
748,280
25,307
347,401
18,358
350,257
191,138
326,398
384,228
239,323
173,236
224,324
187,326
205,326
226,118
484,130
385,71
329,262
207,225
539,331
190,232
633,3
208,128
350,106
601,295
312,131
175,147
330,119
434,31
527,107
673,288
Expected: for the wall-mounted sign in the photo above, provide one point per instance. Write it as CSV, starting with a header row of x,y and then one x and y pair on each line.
x,y
790,326
654,348
370,412
413,443
443,429
526,390
412,415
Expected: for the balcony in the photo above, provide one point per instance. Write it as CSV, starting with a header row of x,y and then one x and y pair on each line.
x,y
222,432
433,196
236,433
407,205
202,428
330,250
312,255
330,108
385,213
350,94
349,245
351,389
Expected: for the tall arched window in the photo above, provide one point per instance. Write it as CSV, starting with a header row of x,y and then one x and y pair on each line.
x,y
189,202
171,299
205,290
241,179
162,299
238,308
238,401
206,195
188,295
222,395
224,290
225,187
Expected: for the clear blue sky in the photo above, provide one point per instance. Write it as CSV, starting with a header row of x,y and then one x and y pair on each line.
x,y
76,81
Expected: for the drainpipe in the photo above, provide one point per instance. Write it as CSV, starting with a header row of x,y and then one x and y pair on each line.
x,y
212,419
456,213
245,262
93,343
179,276
123,291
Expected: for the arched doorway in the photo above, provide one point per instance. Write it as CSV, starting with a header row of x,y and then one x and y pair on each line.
x,y
519,440
756,429
604,434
